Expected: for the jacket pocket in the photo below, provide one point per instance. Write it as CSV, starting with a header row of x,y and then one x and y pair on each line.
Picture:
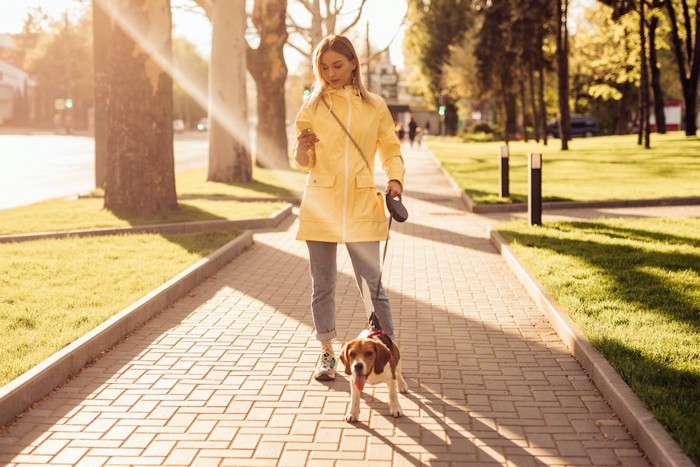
x,y
369,203
319,198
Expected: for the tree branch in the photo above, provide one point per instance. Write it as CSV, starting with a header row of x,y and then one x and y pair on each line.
x,y
398,29
305,53
357,18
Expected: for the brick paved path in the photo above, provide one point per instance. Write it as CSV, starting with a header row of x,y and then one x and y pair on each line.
x,y
224,376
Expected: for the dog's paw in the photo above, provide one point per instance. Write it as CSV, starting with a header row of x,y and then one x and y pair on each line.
x,y
403,388
352,417
396,411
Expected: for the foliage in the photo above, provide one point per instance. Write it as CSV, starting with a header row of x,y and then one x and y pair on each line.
x,y
435,28
58,55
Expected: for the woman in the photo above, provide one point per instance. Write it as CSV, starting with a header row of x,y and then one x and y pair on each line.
x,y
340,128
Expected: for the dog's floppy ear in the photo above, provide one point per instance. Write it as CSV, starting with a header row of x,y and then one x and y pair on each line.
x,y
383,357
345,357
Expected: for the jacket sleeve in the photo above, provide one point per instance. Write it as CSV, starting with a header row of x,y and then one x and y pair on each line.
x,y
302,121
388,146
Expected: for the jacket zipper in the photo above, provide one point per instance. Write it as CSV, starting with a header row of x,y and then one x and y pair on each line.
x,y
347,167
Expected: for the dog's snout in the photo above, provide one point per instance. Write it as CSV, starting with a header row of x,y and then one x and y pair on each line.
x,y
358,366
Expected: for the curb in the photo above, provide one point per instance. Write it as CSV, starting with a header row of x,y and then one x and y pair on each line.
x,y
175,228
30,387
555,205
295,200
652,437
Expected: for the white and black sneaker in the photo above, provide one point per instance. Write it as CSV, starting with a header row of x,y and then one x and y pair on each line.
x,y
326,371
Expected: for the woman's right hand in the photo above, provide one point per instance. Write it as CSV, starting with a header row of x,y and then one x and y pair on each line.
x,y
306,140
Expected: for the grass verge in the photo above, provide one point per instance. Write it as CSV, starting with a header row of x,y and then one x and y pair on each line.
x,y
601,168
633,286
267,183
55,291
64,214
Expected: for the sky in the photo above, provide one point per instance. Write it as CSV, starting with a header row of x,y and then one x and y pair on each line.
x,y
384,17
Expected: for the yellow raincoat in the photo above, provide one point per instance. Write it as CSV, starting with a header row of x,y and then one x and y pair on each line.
x,y
341,203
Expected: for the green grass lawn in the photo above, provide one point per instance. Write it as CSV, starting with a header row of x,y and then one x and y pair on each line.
x,y
266,183
633,286
601,168
55,291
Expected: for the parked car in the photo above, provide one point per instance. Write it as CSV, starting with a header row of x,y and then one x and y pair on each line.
x,y
203,124
581,126
178,125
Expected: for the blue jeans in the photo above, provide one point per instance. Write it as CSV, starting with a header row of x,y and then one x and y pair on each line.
x,y
322,264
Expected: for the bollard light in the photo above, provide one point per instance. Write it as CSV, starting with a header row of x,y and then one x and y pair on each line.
x,y
534,198
504,191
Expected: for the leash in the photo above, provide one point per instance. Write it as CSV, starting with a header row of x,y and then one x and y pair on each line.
x,y
373,318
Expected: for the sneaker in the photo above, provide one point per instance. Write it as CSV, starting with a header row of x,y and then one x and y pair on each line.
x,y
326,371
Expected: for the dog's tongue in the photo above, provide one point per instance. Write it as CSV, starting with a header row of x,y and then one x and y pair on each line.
x,y
360,381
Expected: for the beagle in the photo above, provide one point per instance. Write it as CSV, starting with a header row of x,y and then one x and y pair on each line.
x,y
372,358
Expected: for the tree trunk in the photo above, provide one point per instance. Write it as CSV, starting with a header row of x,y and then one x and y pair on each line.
x,y
540,86
269,70
229,146
533,103
100,32
563,74
644,82
316,31
140,173
688,60
523,109
659,114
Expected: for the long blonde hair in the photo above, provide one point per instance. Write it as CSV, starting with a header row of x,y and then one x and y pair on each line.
x,y
343,46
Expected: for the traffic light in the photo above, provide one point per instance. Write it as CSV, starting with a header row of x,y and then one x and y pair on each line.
x,y
307,92
441,110
69,103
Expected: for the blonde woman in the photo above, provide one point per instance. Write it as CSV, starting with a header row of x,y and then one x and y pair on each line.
x,y
341,128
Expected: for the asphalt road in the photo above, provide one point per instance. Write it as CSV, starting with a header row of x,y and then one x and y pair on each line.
x,y
35,167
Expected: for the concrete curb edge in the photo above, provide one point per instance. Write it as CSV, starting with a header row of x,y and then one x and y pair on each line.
x,y
174,228
649,433
30,387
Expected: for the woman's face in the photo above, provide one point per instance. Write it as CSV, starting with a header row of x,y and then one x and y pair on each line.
x,y
337,69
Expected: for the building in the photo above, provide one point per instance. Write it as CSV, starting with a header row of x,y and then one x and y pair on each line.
x,y
385,80
17,89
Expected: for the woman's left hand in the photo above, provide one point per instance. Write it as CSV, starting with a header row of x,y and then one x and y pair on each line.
x,y
394,188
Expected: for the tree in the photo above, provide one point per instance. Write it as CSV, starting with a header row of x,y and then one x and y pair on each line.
x,y
685,36
496,61
435,28
267,66
605,67
59,57
101,39
562,42
140,174
323,22
229,148
193,74
654,25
